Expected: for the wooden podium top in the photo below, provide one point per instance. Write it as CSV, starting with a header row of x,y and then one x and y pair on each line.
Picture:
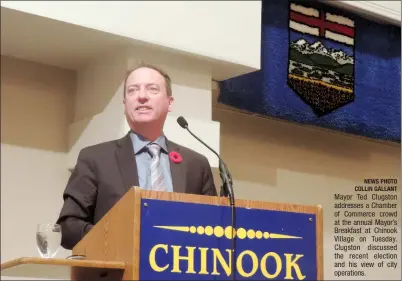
x,y
52,268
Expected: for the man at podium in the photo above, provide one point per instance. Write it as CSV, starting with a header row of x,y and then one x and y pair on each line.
x,y
144,157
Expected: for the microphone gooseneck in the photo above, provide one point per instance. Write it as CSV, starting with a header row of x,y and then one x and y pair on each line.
x,y
226,190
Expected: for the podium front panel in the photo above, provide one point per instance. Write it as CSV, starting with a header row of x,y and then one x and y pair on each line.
x,y
190,241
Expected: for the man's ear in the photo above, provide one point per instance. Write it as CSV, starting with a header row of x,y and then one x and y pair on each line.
x,y
171,100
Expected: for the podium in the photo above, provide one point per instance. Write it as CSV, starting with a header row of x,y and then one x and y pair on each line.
x,y
152,235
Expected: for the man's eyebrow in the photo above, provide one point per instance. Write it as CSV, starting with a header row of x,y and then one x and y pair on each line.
x,y
147,84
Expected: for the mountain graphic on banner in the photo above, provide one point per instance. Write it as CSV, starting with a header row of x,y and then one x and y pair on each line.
x,y
317,59
318,48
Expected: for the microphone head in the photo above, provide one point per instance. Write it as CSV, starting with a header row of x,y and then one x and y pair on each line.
x,y
182,122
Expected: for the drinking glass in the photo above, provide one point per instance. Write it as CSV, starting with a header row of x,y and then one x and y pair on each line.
x,y
48,239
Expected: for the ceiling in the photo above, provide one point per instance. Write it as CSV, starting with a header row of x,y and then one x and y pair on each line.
x,y
56,43
52,42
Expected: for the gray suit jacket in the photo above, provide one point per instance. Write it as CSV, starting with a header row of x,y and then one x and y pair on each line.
x,y
106,171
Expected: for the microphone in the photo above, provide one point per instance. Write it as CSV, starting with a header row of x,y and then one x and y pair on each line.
x,y
226,189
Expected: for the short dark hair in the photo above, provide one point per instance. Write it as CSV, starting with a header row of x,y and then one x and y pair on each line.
x,y
168,82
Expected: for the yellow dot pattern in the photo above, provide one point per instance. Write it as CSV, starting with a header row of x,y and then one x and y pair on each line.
x,y
228,232
209,230
241,233
218,231
250,234
200,230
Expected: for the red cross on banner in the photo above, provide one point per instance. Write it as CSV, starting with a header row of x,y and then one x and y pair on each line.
x,y
319,23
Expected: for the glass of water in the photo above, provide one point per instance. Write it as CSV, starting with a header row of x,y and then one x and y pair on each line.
x,y
48,239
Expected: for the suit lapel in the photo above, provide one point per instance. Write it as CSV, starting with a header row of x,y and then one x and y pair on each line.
x,y
178,170
126,160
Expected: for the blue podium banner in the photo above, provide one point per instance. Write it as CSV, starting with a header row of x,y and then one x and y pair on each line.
x,y
188,241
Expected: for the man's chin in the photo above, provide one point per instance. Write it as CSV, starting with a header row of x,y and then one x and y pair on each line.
x,y
144,119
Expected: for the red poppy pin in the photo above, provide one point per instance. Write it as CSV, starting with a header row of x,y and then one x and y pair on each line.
x,y
175,157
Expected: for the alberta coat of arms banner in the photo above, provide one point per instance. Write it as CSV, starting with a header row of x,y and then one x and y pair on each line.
x,y
325,67
321,57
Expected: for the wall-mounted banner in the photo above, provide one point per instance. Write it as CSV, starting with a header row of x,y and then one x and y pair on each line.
x,y
325,67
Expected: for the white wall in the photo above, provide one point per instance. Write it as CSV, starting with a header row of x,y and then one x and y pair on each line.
x,y
226,30
35,112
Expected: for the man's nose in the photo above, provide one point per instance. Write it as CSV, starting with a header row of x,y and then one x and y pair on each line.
x,y
142,95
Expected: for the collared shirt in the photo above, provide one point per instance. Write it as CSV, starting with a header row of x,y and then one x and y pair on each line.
x,y
143,160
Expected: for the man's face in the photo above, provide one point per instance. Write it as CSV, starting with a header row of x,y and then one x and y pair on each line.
x,y
146,99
